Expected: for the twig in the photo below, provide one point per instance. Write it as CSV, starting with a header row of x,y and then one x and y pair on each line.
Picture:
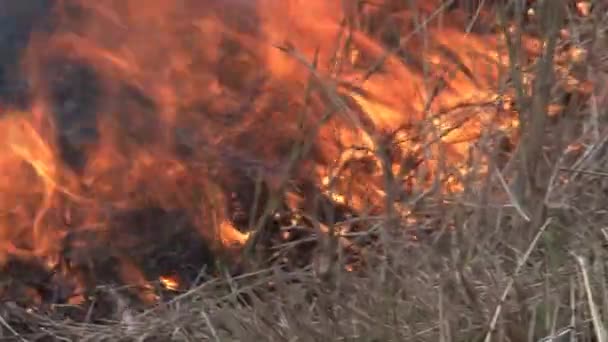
x,y
558,335
475,16
210,326
514,200
507,289
585,172
13,331
600,329
382,59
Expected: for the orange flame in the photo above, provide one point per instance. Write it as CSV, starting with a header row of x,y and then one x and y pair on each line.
x,y
173,105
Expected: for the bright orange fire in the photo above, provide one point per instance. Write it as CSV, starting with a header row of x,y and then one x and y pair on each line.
x,y
173,106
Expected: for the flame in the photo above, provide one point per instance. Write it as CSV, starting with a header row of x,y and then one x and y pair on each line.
x,y
157,110
230,236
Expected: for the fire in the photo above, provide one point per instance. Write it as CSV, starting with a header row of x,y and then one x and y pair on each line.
x,y
143,116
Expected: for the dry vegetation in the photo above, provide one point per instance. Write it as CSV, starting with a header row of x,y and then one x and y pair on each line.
x,y
518,254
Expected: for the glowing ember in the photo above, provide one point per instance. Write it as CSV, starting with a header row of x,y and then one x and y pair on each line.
x,y
584,8
169,282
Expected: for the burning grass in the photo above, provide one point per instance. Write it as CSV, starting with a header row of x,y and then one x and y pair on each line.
x,y
381,171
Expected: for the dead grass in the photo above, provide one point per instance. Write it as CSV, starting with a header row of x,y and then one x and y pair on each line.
x,y
519,255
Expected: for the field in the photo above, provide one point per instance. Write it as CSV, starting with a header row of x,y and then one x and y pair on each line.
x,y
225,170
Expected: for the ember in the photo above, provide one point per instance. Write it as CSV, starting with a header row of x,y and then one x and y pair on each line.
x,y
170,283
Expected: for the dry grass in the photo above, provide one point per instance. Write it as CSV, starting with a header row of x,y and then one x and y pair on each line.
x,y
519,255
